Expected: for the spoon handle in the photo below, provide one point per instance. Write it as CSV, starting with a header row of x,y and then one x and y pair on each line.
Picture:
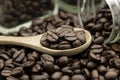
x,y
30,42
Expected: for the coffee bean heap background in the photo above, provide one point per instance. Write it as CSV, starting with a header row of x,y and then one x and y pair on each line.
x,y
63,38
98,62
16,12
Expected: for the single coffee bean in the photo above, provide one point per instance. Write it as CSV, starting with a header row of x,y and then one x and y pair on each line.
x,y
17,71
18,56
46,57
56,76
11,78
54,46
81,36
117,63
1,64
97,27
116,47
102,69
101,77
78,77
6,72
52,37
111,75
91,65
65,77
64,45
109,54
25,32
48,67
70,36
36,68
97,48
67,71
39,77
75,65
4,56
63,61
94,56
86,73
103,20
99,40
95,75
9,61
44,41
24,77
77,43
77,71
28,64
62,31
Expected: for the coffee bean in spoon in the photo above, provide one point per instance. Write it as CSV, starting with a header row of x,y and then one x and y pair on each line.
x,y
63,38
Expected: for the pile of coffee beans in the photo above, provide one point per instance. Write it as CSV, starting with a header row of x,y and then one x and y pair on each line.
x,y
98,62
63,38
16,12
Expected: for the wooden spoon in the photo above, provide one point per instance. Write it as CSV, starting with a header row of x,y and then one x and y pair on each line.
x,y
33,42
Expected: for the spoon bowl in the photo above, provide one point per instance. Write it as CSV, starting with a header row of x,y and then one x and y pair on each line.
x,y
33,42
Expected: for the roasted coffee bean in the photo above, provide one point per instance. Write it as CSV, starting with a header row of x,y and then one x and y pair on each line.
x,y
46,57
67,71
36,68
6,72
62,38
4,56
109,54
24,77
97,48
54,46
56,76
75,65
25,32
77,71
81,36
70,36
86,73
1,64
9,61
11,78
97,27
111,75
63,61
17,71
103,20
65,77
30,57
77,43
117,63
95,57
116,47
56,67
15,15
64,45
99,40
62,31
28,64
52,37
48,67
91,65
44,40
18,56
78,77
95,75
102,69
39,77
